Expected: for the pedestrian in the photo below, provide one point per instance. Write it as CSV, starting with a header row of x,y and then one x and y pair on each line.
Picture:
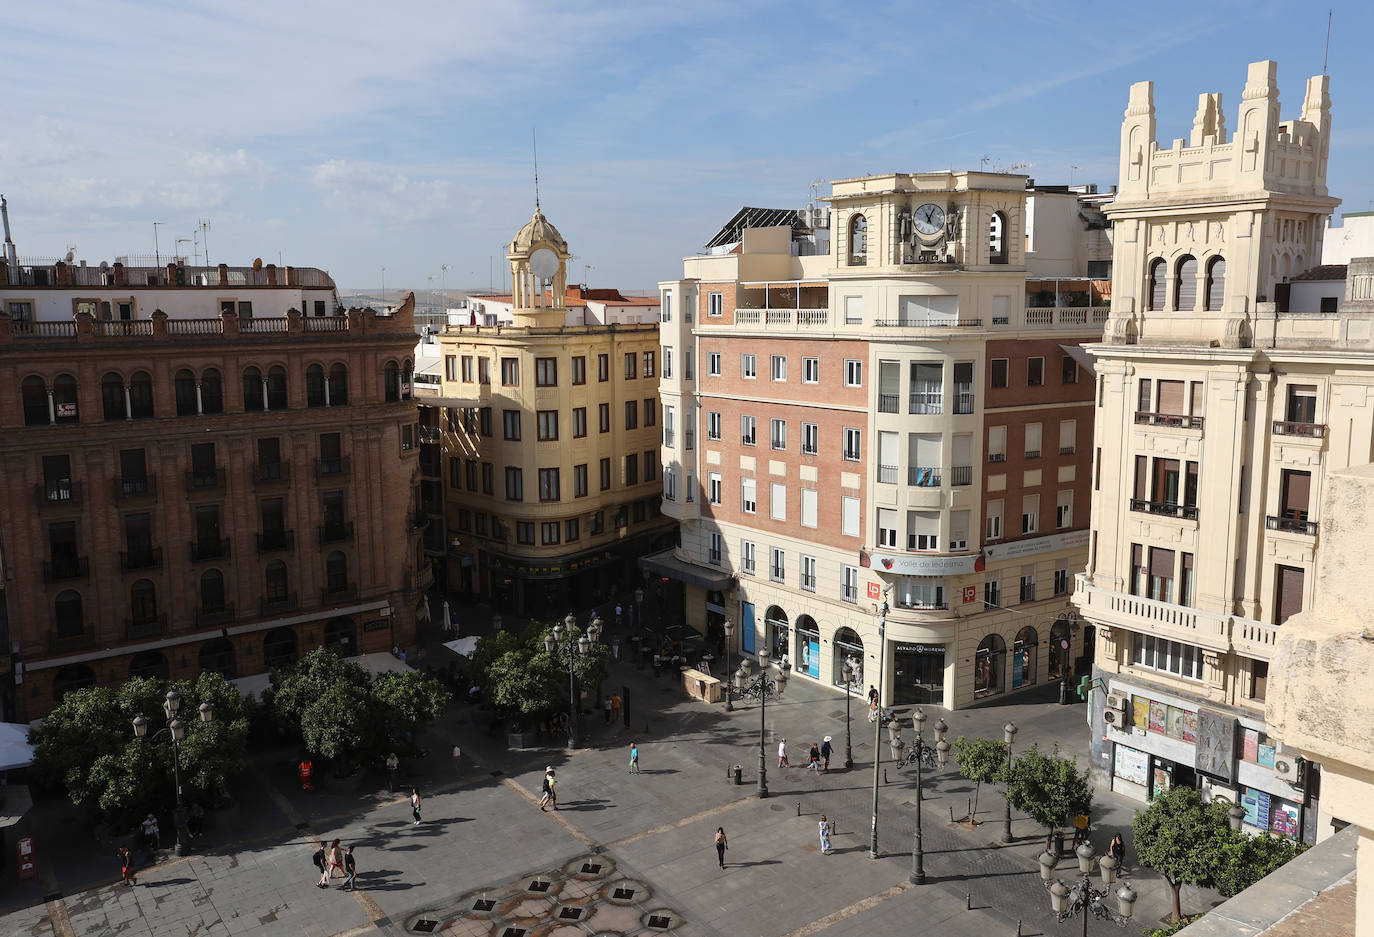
x,y
126,866
782,754
615,707
318,859
721,845
1080,828
873,709
634,758
615,649
335,861
617,616
415,804
1117,849
825,836
606,708
350,870
813,760
549,796
152,839
392,763
195,822
872,694
825,753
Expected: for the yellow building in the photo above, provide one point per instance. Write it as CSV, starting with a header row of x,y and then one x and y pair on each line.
x,y
550,432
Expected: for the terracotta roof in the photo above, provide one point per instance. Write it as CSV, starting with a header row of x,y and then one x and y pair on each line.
x,y
1323,272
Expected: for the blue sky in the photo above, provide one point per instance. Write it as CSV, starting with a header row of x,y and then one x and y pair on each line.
x,y
356,136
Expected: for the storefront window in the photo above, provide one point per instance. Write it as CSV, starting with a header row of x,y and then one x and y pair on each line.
x,y
1059,654
918,674
847,647
988,664
1023,657
808,647
779,634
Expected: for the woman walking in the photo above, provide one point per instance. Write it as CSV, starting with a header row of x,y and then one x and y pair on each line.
x,y
126,866
634,758
1117,849
782,754
721,845
332,861
825,836
547,793
415,804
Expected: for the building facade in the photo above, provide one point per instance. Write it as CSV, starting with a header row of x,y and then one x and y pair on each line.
x,y
889,413
549,427
1218,415
206,469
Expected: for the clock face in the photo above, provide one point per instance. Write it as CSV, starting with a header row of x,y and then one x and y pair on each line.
x,y
544,263
930,219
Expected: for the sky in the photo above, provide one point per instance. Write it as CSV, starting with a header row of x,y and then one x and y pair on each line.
x,y
387,141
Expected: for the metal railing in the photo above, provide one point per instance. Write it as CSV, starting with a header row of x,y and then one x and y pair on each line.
x,y
923,476
1066,450
269,473
997,457
199,480
135,628
215,616
921,605
209,549
1292,525
1292,428
145,487
146,558
335,533
887,474
1165,508
964,398
269,605
330,467
78,567
430,434
271,540
1032,454
58,493
346,591
1168,419
888,403
960,475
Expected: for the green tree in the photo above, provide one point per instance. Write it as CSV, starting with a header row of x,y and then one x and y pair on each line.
x,y
1183,839
87,746
1049,788
525,681
980,760
1247,859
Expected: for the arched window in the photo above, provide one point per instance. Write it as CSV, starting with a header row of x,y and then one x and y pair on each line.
x,y
391,378
997,238
112,396
276,387
68,617
314,386
217,656
1185,285
35,393
1023,657
143,601
1216,284
338,384
141,396
73,677
279,648
858,241
211,591
808,648
211,392
336,572
987,666
150,664
64,399
407,380
1157,284
779,639
341,635
1061,644
184,388
848,647
253,401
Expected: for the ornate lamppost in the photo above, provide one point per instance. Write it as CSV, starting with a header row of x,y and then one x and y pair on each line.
x,y
1008,735
176,731
570,650
850,672
918,720
643,630
760,688
729,689
878,723
1082,899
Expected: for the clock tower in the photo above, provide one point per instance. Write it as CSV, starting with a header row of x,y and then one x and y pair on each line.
x,y
538,258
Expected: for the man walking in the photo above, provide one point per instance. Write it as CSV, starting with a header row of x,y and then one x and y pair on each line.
x,y
825,753
350,870
634,758
318,859
825,836
415,804
606,708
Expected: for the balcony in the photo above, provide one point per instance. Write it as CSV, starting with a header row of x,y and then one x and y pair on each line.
x,y
920,605
271,473
887,474
431,468
783,318
961,475
416,521
1066,450
1165,508
1290,428
964,399
997,457
332,468
928,402
61,493
335,533
145,558
849,593
1168,419
889,403
127,488
72,567
210,479
1254,639
275,605
1291,525
209,549
1032,454
923,476
222,615
136,628
339,593
272,540
430,434
901,323
66,643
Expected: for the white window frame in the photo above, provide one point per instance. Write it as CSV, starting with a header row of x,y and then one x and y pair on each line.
x,y
994,526
714,486
777,564
749,496
777,434
853,444
1030,514
807,573
667,362
853,372
715,304
748,367
748,430
811,370
713,364
777,367
810,507
713,424
747,557
669,484
714,549
849,584
1173,657
1063,513
811,439
850,522
853,310
777,501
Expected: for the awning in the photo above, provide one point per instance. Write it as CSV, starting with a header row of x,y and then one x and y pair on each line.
x,y
15,750
1078,353
666,564
463,646
376,663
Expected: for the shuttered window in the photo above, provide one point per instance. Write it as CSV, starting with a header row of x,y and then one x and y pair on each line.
x,y
1216,283
1288,600
1142,474
1297,487
1157,284
1171,398
1185,286
1138,571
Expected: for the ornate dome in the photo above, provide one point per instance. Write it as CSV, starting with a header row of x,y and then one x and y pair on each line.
x,y
538,229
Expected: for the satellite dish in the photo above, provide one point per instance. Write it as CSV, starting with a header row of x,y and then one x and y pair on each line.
x,y
544,263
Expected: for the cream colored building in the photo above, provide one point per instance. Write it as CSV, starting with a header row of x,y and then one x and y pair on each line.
x,y
550,440
1218,417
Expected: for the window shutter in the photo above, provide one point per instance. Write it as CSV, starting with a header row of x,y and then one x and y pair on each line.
x,y
1297,488
1157,285
1171,397
1186,290
1141,477
1290,593
1216,283
1161,563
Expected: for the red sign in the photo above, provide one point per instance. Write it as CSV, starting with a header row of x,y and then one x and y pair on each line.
x,y
1064,643
27,866
970,594
875,591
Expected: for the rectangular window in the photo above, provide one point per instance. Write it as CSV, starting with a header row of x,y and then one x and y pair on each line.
x,y
777,434
1161,584
1288,586
1302,403
548,425
510,424
668,361
631,414
603,417
1185,579
1144,398
807,573
488,479
669,483
779,367
1030,514
649,365
810,441
810,499
747,554
470,473
579,376
853,310
631,365
510,372
923,530
992,593
669,426
572,530
994,520
777,565
746,430
1033,435
748,366
548,532
853,372
712,424
524,532
1027,583
631,470
598,524
579,422
1068,373
849,583
715,304
484,416
887,528
749,496
467,369
713,487
1294,496
713,364
997,444
450,367
853,444
713,549
959,530
1068,436
925,390
580,480
1061,579
811,370
1063,512
548,484
1035,372
455,473
849,516
515,484
1171,399
603,368
651,465
997,372
691,487
777,501
484,370
545,372
1182,660
605,474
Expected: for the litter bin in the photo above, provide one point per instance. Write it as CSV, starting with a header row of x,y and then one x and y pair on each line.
x,y
739,776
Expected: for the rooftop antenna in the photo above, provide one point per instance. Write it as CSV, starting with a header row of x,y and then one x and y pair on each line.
x,y
1327,50
205,238
534,143
157,251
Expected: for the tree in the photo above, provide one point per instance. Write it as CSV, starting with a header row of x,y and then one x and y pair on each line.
x,y
1247,859
87,745
527,682
980,760
1049,788
1183,839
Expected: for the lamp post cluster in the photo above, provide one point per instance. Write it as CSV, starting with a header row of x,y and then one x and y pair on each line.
x,y
643,630
176,731
566,649
852,678
1008,736
918,720
1082,899
729,683
760,688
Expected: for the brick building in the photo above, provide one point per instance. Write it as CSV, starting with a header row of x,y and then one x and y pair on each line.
x,y
205,469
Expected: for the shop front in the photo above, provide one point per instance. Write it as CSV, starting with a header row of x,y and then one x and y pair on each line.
x,y
808,662
918,674
777,634
848,647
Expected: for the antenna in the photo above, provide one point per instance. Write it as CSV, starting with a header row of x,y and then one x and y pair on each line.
x,y
1327,51
157,252
534,144
205,238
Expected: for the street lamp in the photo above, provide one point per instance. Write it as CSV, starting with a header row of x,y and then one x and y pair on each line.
x,y
1082,899
729,689
760,688
918,856
571,650
850,672
176,731
878,723
1008,734
644,631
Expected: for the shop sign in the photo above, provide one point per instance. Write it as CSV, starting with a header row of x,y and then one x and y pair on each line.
x,y
1132,765
1018,548
901,564
875,591
970,594
376,624
920,649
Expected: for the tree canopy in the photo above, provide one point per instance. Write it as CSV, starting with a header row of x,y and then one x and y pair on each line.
x,y
980,760
525,681
86,743
1049,788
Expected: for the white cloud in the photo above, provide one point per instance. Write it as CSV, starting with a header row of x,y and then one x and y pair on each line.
x,y
366,190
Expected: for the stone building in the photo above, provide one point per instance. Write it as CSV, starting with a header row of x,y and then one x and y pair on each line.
x,y
205,469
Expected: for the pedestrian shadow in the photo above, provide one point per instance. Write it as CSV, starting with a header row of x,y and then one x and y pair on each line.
x,y
168,881
598,804
745,865
840,851
376,880
658,771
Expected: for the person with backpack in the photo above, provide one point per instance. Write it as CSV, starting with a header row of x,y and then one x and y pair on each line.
x,y
318,859
547,788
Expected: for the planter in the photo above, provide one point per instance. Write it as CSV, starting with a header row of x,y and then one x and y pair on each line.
x,y
520,739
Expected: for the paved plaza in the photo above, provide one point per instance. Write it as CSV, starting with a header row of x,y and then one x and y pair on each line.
x,y
649,837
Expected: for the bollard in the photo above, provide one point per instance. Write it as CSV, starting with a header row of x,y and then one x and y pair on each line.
x,y
951,814
799,808
884,775
968,901
1018,926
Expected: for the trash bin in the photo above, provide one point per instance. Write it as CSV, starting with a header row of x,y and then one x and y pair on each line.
x,y
739,776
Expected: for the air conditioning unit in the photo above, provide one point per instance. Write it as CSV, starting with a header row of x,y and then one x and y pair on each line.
x,y
1288,768
1116,701
1114,718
